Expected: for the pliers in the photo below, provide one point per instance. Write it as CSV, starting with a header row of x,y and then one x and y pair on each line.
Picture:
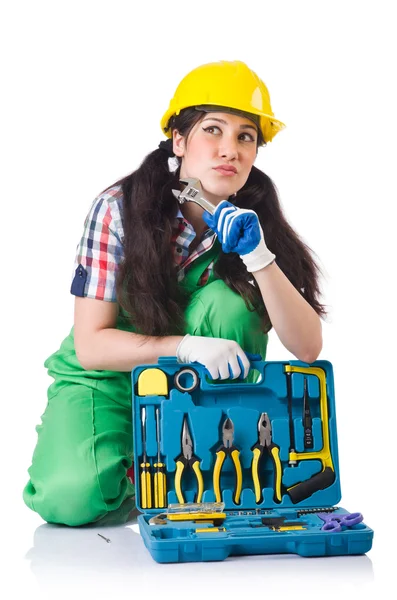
x,y
265,442
187,459
224,450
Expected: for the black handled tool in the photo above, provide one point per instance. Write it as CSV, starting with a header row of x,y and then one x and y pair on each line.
x,y
292,463
280,524
265,442
307,418
187,459
227,449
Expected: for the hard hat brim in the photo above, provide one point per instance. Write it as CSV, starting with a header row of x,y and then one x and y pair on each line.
x,y
268,124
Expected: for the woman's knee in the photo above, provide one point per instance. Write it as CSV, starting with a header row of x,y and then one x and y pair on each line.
x,y
67,496
79,466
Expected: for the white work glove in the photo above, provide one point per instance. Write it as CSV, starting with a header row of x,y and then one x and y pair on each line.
x,y
239,231
223,359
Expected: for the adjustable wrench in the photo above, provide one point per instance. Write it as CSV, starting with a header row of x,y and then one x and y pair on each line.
x,y
193,192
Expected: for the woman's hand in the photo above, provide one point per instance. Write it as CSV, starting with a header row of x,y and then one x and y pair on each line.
x,y
239,231
223,359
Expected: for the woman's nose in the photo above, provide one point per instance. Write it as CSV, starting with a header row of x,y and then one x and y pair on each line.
x,y
228,149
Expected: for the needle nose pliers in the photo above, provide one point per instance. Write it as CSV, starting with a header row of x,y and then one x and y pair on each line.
x,y
224,450
187,459
265,443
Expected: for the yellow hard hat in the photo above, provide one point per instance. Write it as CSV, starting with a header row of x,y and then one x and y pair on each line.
x,y
225,84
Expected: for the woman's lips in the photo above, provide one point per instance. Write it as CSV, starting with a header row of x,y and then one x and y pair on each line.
x,y
227,172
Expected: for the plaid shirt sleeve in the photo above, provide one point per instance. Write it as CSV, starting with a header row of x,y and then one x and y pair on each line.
x,y
100,250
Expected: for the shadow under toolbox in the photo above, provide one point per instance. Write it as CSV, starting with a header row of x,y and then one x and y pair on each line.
x,y
236,468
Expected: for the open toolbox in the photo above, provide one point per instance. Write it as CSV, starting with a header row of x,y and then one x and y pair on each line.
x,y
237,468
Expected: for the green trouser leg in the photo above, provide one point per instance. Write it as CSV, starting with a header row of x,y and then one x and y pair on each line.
x,y
84,448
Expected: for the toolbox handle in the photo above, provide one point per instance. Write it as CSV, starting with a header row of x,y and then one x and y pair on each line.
x,y
256,362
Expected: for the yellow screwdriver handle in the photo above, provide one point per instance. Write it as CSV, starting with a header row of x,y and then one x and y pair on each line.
x,y
200,482
275,452
146,485
178,480
220,457
239,475
255,474
160,491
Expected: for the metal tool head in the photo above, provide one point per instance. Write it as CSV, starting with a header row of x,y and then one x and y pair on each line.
x,y
192,189
193,192
264,430
160,519
187,444
228,433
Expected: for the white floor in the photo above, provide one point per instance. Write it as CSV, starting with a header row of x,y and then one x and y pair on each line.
x,y
49,561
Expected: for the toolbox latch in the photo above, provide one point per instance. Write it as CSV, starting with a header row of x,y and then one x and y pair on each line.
x,y
167,360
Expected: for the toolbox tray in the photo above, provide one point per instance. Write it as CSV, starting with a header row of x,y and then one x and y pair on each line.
x,y
185,391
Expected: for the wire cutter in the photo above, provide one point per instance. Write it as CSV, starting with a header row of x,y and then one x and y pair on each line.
x,y
226,449
187,459
265,442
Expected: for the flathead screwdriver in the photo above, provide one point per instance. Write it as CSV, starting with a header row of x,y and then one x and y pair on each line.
x,y
307,418
145,475
160,489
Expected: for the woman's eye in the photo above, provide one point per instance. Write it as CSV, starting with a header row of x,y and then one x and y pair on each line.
x,y
211,128
248,138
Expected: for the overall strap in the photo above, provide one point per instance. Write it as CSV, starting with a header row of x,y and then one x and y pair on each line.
x,y
193,274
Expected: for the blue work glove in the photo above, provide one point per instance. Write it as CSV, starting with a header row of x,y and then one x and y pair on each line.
x,y
239,230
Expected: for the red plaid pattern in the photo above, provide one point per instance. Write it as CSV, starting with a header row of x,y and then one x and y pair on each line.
x,y
100,250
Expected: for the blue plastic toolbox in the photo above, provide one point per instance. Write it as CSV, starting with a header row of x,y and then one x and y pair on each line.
x,y
237,468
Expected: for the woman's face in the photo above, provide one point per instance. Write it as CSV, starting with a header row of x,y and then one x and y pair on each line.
x,y
219,151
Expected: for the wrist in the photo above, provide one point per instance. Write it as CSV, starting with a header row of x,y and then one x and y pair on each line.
x,y
259,259
179,352
269,267
169,344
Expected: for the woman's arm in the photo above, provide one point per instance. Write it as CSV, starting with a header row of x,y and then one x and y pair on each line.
x,y
100,346
296,323
294,320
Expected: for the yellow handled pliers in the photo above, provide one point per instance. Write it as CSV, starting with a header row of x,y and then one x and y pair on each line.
x,y
187,459
265,442
226,449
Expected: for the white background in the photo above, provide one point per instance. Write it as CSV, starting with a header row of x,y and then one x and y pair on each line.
x,y
84,85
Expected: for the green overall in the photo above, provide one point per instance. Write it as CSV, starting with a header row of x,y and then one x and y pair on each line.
x,y
84,448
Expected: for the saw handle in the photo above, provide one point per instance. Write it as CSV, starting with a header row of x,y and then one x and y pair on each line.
x,y
305,489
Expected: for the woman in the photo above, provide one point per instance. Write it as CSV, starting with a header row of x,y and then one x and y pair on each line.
x,y
154,278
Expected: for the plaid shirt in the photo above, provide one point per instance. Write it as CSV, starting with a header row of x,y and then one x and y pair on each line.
x,y
101,250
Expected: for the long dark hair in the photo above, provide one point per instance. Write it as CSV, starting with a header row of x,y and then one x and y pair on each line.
x,y
147,287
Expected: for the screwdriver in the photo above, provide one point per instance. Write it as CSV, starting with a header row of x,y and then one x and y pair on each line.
x,y
160,491
292,463
307,418
145,476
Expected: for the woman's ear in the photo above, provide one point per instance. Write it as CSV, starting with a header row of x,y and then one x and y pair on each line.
x,y
178,143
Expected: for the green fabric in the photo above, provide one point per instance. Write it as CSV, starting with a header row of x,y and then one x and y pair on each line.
x,y
84,446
